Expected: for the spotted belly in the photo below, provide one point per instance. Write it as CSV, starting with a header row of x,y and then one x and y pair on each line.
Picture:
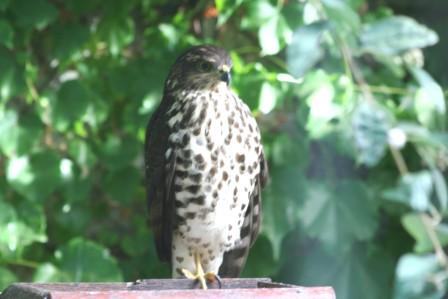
x,y
215,173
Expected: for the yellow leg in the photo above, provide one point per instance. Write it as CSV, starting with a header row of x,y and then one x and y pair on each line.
x,y
200,275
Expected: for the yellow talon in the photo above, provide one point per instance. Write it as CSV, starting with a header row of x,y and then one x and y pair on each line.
x,y
200,275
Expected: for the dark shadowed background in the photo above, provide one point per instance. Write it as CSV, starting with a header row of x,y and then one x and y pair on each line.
x,y
350,98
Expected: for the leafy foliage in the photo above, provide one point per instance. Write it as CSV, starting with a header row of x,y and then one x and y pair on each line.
x,y
354,128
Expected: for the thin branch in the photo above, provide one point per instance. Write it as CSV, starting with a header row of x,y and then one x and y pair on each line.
x,y
430,230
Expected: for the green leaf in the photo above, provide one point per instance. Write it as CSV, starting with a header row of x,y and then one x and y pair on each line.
x,y
118,33
305,49
18,135
396,34
414,190
258,13
273,33
11,76
363,272
370,124
71,104
116,152
345,18
413,223
261,251
440,188
34,14
6,278
137,244
226,8
338,215
69,39
281,202
6,34
35,176
429,102
16,236
47,272
268,97
122,184
323,107
4,4
84,260
414,278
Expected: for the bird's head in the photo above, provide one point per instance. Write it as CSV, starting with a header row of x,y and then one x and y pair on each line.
x,y
201,67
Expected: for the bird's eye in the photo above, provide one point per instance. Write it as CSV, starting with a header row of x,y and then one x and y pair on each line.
x,y
205,66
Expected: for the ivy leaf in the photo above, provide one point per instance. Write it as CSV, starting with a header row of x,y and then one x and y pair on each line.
x,y
345,18
68,39
339,215
305,49
122,184
322,104
429,102
6,34
11,76
370,124
396,34
283,200
18,134
84,260
413,190
34,14
71,104
413,223
362,272
35,176
413,278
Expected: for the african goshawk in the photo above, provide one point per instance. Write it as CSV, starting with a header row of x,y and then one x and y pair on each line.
x,y
204,169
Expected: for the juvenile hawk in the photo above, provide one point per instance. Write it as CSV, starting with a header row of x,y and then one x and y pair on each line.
x,y
204,169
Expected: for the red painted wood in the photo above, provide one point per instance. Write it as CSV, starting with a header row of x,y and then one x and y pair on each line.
x,y
268,293
165,288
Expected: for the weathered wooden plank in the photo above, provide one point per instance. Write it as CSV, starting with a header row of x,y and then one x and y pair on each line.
x,y
165,288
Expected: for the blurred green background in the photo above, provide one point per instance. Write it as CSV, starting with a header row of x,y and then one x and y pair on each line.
x,y
350,101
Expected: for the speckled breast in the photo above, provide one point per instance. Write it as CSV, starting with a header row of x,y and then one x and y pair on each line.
x,y
217,145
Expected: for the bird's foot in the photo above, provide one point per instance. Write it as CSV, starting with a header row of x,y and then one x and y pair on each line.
x,y
200,275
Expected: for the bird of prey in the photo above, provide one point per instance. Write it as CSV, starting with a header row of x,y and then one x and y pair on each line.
x,y
205,168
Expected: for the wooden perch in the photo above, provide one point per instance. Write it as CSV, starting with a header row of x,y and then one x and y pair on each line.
x,y
165,288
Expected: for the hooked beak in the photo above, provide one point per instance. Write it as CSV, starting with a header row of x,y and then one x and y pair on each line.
x,y
225,74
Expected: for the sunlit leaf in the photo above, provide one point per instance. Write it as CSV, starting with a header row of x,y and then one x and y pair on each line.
x,y
413,278
414,190
34,176
429,103
47,272
18,134
396,34
268,97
